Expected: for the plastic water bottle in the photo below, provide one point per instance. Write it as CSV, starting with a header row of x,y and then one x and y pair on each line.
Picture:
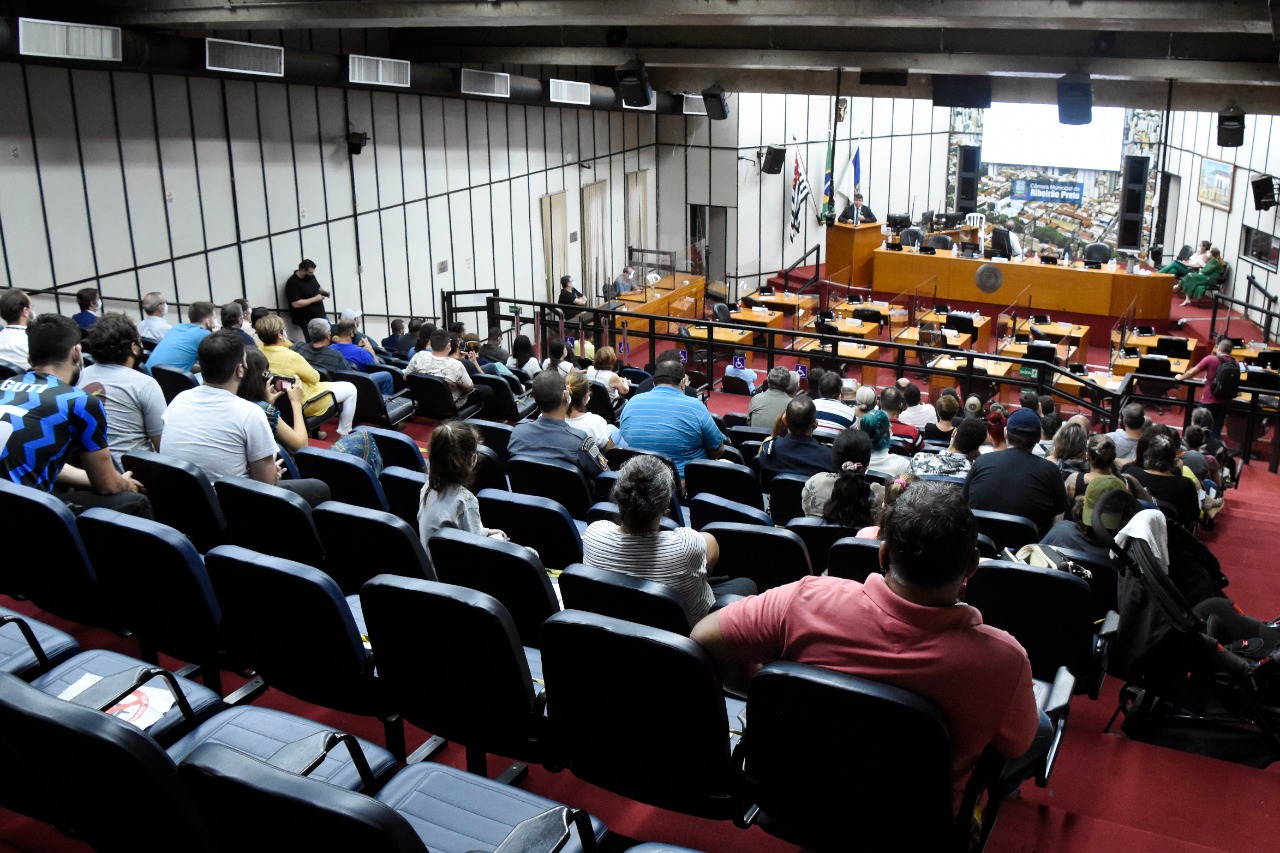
x,y
1111,265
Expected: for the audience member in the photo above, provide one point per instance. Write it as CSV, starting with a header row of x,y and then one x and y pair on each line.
x,y
796,452
637,545
876,425
602,371
1049,426
948,408
1178,268
973,407
285,362
457,327
316,350
15,310
492,348
667,421
746,374
446,499
1162,477
956,460
423,341
233,319
864,401
343,340
44,420
1194,284
892,491
391,343
155,307
133,400
358,338
1069,449
90,303
271,393
846,497
587,423
180,346
1018,482
1029,398
305,296
916,413
891,403
550,436
904,628
1076,532
1132,419
522,357
557,359
1100,459
569,296
997,418
1209,366
769,404
834,417
1047,406
1206,468
438,362
672,355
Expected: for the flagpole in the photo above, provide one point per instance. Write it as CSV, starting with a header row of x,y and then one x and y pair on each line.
x,y
829,178
805,174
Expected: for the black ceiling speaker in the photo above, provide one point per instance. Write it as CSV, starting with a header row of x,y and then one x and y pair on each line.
x,y
356,142
717,103
1231,127
1075,99
773,158
633,84
961,90
1264,192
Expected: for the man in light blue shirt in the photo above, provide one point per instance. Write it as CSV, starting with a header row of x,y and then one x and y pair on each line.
x,y
738,369
665,421
344,342
179,347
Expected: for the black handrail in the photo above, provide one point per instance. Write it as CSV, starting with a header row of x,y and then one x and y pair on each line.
x,y
1270,315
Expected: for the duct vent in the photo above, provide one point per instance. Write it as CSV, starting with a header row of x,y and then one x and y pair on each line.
x,y
68,41
570,92
376,71
490,83
243,57
694,105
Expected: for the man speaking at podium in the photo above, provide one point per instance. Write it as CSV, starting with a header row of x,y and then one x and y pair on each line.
x,y
857,213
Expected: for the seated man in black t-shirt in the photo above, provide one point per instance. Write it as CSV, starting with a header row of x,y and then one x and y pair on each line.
x,y
569,296
797,452
1016,481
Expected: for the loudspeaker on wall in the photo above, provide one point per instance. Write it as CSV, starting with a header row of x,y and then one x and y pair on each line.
x,y
773,157
1264,192
961,90
1133,199
1075,99
633,84
968,162
1231,128
717,103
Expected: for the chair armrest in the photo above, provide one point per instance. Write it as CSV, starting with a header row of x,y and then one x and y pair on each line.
x,y
1110,624
333,401
301,757
1059,698
30,636
111,690
550,832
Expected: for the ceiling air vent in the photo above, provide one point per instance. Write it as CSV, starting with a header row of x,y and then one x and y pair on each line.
x,y
244,57
570,92
490,83
694,105
68,41
652,107
376,71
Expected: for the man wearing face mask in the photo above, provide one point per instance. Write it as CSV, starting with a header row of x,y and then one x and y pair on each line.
x,y
154,326
90,303
550,436
43,404
305,296
132,399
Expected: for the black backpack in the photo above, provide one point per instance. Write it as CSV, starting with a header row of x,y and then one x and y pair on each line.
x,y
1226,382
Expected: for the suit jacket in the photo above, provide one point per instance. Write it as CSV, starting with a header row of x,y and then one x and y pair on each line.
x,y
864,217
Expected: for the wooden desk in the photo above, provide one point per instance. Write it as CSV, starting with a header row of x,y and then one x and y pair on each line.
x,y
1248,353
787,303
1014,350
660,302
1058,333
846,307
850,249
938,383
768,319
981,327
1099,292
911,335
725,337
845,349
1147,343
1125,366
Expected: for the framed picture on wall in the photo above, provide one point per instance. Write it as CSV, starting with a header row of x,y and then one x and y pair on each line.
x,y
1215,184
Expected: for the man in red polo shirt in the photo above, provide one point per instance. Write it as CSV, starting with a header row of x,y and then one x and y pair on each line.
x,y
904,628
892,404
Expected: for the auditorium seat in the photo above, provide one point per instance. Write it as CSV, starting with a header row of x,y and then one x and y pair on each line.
x,y
707,509
350,478
173,381
910,236
451,662
1006,530
608,511
434,399
621,596
770,556
396,448
181,496
360,542
29,648
940,242
403,488
503,406
319,417
535,522
682,758
725,479
785,491
735,385
372,406
495,436
600,404
854,558
8,369
562,482
739,434
269,520
818,537
490,471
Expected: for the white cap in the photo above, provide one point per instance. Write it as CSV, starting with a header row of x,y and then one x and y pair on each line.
x,y
351,313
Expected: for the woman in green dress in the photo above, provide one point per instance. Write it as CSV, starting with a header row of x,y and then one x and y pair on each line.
x,y
1194,284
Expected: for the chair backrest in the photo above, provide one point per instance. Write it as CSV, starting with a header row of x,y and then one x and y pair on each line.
x,y
106,777
291,623
490,471
287,810
707,509
785,492
1154,366
478,691
433,397
403,489
770,556
153,583
735,385
818,537
1006,530
350,478
961,323
910,236
1042,352
360,542
563,482
397,449
536,522
940,241
62,581
181,496
1171,346
269,520
622,596
591,664
722,312
173,381
741,432
1261,379
503,405
608,511
599,402
370,405
508,572
1185,252
785,753
1097,252
853,558
496,436
724,479
869,315
1049,613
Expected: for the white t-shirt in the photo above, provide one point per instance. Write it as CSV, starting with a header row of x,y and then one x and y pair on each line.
x,y
13,346
919,415
565,366
604,377
134,404
217,432
530,367
154,328
592,426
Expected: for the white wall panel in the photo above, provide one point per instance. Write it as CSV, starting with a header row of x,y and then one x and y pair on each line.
x,y
363,165
178,165
225,271
526,234
345,274
503,239
482,226
698,130
539,287
277,157
191,281
725,133
724,177
670,200
434,146
20,204
464,270
60,172
118,292
333,147
417,283
160,277
104,183
411,159
477,142
286,250
554,140
648,129
386,148
305,127
748,120
698,175
212,161
262,285
246,159
517,150
455,144
372,293
395,265
143,186
441,250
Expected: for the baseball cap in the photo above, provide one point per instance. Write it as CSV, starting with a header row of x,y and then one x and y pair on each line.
x,y
1098,487
1024,420
352,313
973,406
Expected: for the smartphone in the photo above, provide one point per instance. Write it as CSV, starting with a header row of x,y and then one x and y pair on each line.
x,y
283,383
851,384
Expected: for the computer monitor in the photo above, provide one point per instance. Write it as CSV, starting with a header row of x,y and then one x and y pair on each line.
x,y
1001,245
962,323
1268,359
969,249
951,220
898,221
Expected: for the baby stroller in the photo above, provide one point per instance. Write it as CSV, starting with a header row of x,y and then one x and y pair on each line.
x,y
1183,688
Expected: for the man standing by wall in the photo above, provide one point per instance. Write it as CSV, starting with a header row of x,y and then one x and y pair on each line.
x,y
305,295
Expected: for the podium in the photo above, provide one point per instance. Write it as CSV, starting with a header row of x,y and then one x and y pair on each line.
x,y
850,251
